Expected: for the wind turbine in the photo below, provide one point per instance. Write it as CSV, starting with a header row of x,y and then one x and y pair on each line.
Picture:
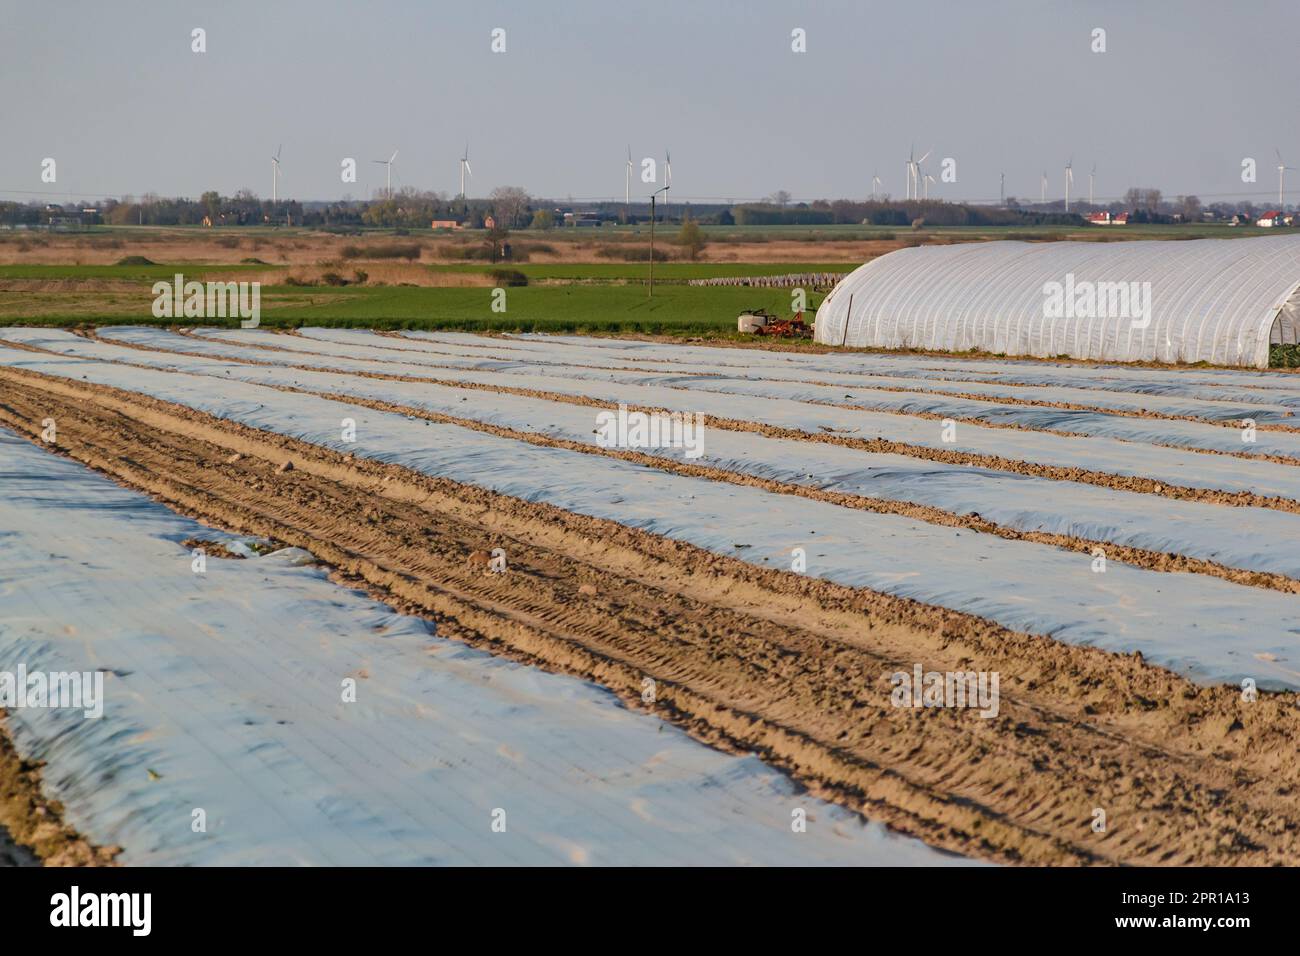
x,y
668,179
464,168
1069,181
627,183
1281,168
875,184
1043,188
1091,176
388,164
928,179
914,173
1002,188
275,175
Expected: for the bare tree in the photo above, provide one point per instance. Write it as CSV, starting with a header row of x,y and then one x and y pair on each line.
x,y
510,203
781,197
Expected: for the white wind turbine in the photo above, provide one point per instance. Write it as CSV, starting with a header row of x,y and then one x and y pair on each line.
x,y
668,178
875,185
928,179
627,181
388,165
1042,189
1282,167
464,168
914,173
1069,181
1091,176
275,175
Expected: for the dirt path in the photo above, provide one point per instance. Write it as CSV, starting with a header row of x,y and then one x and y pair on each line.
x,y
794,669
32,829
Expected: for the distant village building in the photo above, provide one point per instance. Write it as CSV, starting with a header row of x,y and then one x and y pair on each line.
x,y
586,220
1270,219
1106,219
70,219
489,222
445,224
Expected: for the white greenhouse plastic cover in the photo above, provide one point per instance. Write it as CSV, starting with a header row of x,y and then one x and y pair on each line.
x,y
1202,300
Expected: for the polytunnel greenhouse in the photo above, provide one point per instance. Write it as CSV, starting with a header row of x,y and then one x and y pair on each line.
x,y
1222,301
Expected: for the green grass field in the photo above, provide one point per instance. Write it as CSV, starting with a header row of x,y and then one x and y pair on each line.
x,y
597,308
151,273
603,308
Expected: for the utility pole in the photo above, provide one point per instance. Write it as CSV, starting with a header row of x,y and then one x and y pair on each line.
x,y
653,196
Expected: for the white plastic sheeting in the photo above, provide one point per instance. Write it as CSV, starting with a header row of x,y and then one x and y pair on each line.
x,y
1211,300
1257,539
1210,630
222,691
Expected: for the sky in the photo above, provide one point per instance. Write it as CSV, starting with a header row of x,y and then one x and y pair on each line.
x,y
113,92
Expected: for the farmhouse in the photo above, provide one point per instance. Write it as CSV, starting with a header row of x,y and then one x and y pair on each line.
x,y
587,220
1222,301
1106,219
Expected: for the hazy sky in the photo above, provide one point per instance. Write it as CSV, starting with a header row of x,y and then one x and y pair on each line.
x,y
113,92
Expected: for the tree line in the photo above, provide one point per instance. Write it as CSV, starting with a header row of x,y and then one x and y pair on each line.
x,y
511,207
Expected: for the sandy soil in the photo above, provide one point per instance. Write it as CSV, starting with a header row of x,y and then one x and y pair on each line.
x,y
793,669
32,831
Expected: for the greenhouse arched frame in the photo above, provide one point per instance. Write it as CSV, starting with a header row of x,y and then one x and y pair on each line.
x,y
1222,301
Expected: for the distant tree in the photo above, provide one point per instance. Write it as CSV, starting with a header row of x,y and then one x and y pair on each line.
x,y
497,236
843,210
781,197
1133,198
509,204
211,201
1190,208
1152,198
691,239
543,219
